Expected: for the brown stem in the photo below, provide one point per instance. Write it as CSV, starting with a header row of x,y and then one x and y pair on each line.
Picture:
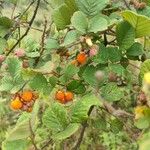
x,y
77,145
13,10
46,144
42,43
28,29
32,135
127,4
116,112
19,16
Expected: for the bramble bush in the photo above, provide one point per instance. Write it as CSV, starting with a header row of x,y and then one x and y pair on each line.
x,y
75,74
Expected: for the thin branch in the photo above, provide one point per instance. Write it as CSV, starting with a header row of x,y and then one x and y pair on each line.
x,y
23,86
33,28
116,112
42,43
127,4
134,66
20,15
32,135
46,144
28,29
77,145
13,10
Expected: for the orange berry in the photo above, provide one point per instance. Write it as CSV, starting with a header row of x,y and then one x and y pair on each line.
x,y
68,96
82,58
27,96
16,104
60,95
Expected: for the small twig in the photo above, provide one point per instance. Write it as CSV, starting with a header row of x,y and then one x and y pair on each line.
x,y
134,66
20,15
28,29
127,5
112,41
33,28
32,135
42,43
22,86
13,10
105,39
114,112
77,145
46,144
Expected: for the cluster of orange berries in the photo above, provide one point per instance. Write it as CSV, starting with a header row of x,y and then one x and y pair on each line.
x,y
81,59
64,97
24,101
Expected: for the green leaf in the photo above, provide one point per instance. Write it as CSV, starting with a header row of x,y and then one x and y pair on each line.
x,y
107,54
6,83
145,11
80,109
102,56
139,22
71,5
3,45
116,125
111,92
70,38
53,81
114,54
142,123
22,128
21,131
84,24
91,7
52,44
14,67
5,25
144,141
88,75
39,82
32,54
145,67
69,72
125,35
99,123
70,130
61,16
135,50
76,86
80,22
55,118
46,68
118,69
97,23
16,144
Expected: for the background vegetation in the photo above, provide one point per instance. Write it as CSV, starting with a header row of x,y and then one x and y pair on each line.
x,y
75,74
